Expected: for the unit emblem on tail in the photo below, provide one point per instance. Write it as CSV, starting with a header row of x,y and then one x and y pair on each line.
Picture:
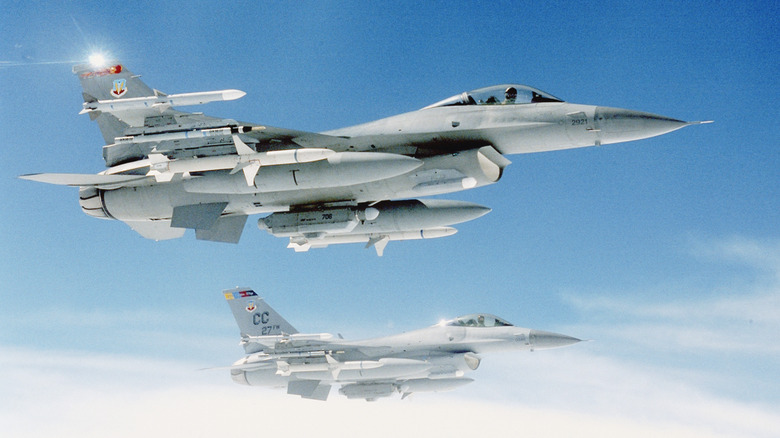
x,y
120,88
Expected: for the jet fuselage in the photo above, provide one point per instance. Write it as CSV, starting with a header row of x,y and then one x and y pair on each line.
x,y
171,171
430,359
444,140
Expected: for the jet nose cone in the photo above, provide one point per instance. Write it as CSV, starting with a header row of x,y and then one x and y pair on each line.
x,y
617,125
542,339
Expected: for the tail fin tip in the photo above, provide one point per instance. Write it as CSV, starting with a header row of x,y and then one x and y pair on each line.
x,y
254,316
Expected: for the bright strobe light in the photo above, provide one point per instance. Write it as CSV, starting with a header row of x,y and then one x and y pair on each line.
x,y
97,60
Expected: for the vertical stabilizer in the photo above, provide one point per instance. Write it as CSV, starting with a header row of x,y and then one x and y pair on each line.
x,y
110,82
106,83
254,316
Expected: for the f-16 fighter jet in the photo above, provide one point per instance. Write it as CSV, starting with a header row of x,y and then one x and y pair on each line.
x,y
431,359
169,170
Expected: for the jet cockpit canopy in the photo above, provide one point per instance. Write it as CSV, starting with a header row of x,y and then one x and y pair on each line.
x,y
478,320
506,94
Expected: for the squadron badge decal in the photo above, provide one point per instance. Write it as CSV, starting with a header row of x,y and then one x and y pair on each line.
x,y
250,306
120,88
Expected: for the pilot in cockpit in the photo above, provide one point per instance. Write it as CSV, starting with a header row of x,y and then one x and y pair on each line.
x,y
510,95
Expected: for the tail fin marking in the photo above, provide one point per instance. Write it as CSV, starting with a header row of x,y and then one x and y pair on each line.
x,y
254,316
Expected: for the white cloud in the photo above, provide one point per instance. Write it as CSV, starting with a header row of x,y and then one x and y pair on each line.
x,y
742,316
578,381
605,388
566,394
153,331
746,324
758,254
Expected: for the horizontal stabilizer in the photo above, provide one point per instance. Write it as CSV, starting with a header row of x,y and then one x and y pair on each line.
x,y
197,216
311,389
83,180
227,229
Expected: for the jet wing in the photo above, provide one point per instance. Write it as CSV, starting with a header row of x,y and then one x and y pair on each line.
x,y
84,180
281,348
353,351
273,343
272,138
203,136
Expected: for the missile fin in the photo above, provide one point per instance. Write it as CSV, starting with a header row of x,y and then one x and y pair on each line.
x,y
160,173
299,246
250,172
335,370
379,243
161,176
283,369
239,166
241,147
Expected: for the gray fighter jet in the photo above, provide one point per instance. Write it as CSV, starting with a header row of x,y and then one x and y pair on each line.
x,y
431,359
169,171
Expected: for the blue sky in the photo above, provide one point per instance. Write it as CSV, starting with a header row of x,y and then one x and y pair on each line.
x,y
665,251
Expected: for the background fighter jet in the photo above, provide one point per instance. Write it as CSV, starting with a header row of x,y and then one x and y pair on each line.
x,y
431,359
170,170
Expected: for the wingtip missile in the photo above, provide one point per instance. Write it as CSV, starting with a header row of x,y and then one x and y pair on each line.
x,y
378,242
232,94
161,101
